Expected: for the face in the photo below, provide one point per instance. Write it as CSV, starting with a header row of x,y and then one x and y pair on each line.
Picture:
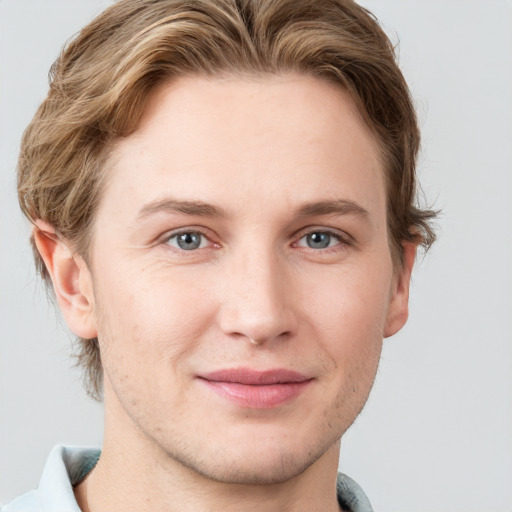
x,y
241,281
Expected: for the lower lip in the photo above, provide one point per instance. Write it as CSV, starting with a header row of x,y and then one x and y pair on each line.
x,y
258,396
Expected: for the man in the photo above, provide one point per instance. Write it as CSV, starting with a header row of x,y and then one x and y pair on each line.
x,y
222,196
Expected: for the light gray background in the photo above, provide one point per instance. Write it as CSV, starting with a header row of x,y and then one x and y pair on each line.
x,y
436,434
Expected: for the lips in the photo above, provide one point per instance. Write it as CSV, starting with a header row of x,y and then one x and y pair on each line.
x,y
257,389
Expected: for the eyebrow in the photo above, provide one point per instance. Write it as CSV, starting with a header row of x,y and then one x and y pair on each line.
x,y
187,207
336,207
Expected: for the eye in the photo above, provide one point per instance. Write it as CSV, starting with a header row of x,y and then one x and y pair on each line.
x,y
319,240
188,240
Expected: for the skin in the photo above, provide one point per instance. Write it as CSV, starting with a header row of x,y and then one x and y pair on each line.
x,y
276,159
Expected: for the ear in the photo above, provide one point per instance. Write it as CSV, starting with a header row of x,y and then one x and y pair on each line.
x,y
71,280
398,310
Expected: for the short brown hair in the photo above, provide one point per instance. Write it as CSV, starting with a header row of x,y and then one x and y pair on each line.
x,y
102,79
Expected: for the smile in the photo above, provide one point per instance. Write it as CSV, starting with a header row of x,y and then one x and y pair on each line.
x,y
257,389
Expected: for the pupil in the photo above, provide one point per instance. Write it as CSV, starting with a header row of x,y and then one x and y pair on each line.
x,y
188,241
319,240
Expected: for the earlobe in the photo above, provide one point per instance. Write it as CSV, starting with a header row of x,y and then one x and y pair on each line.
x,y
398,311
71,280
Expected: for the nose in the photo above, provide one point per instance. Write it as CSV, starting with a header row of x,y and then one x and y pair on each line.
x,y
258,299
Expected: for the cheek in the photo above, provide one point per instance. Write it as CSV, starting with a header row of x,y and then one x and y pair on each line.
x,y
349,313
352,302
149,316
149,326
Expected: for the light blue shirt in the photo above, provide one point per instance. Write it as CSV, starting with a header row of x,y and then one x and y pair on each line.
x,y
65,467
68,466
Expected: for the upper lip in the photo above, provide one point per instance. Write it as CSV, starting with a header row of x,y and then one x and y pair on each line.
x,y
255,377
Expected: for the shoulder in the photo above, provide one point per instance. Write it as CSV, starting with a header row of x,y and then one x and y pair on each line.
x,y
28,502
65,467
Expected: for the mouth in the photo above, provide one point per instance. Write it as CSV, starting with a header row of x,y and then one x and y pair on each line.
x,y
256,389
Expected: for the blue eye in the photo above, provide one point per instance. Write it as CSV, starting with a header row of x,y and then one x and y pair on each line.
x,y
188,240
319,240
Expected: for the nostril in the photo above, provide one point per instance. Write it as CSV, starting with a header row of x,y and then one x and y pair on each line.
x,y
255,340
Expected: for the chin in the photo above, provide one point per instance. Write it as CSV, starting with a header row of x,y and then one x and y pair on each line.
x,y
254,472
258,463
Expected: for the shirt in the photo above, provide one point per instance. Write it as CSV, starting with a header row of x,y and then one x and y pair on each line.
x,y
68,466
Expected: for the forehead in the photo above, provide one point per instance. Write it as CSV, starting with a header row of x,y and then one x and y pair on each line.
x,y
288,137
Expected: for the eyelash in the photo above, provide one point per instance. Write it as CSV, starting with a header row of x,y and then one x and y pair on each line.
x,y
343,240
175,235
